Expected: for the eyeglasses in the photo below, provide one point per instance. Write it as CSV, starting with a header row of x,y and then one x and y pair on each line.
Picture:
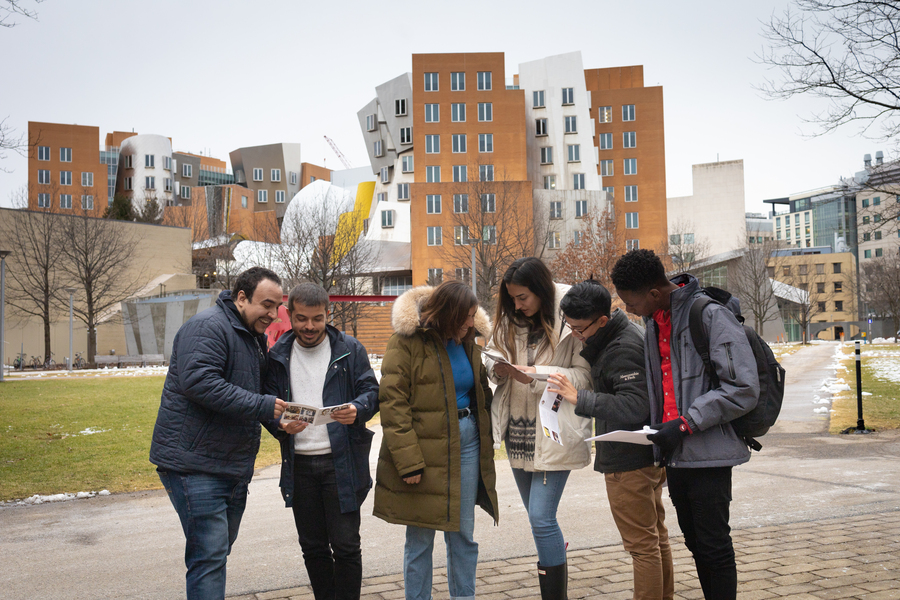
x,y
581,330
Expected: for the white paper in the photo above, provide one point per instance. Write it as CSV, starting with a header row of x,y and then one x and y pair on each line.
x,y
294,411
549,407
630,437
499,358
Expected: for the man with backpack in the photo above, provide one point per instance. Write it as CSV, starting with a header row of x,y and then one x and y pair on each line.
x,y
692,417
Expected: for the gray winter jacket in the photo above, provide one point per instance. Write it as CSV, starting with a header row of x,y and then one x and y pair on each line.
x,y
708,411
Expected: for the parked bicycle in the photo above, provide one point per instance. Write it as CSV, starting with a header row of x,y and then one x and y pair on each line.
x,y
49,363
19,362
36,362
78,363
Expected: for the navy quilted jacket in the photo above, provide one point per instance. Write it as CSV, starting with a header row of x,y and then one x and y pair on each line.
x,y
211,409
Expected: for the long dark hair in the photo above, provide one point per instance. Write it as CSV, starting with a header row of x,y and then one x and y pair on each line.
x,y
447,309
533,274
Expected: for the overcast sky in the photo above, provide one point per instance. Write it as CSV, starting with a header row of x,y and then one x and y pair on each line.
x,y
216,75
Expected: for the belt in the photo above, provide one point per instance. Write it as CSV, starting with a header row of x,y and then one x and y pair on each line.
x,y
464,412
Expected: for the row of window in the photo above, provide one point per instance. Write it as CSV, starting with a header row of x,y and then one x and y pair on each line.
x,y
150,163
262,196
804,269
604,113
65,201
274,175
458,112
459,143
879,252
458,81
607,169
461,235
65,178
460,173
629,140
65,154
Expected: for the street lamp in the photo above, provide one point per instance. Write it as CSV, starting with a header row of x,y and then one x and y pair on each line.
x,y
71,303
3,255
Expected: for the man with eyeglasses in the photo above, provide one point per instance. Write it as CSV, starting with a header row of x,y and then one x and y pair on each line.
x,y
614,347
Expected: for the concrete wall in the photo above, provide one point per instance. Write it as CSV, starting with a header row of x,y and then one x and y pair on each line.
x,y
150,324
715,213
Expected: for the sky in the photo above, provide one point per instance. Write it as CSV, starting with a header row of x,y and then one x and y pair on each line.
x,y
217,75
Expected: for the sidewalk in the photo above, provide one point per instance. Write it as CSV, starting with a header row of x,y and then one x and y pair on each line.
x,y
857,557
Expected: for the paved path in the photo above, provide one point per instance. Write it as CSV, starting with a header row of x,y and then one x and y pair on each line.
x,y
814,516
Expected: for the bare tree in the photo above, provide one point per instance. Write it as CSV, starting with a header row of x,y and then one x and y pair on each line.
x,y
684,248
845,52
495,217
9,139
750,280
810,289
881,287
98,258
34,283
599,246
10,8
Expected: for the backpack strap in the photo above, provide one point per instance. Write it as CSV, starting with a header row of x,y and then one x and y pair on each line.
x,y
699,338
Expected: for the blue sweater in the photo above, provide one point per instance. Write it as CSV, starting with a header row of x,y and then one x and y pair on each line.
x,y
463,377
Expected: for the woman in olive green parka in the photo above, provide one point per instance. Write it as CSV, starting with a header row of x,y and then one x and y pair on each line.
x,y
418,479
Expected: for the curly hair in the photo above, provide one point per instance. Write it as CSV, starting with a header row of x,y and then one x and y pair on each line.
x,y
638,271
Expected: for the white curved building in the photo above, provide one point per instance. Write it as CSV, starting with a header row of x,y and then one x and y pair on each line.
x,y
145,170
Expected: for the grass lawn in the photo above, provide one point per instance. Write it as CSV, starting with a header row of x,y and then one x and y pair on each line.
x,y
786,349
81,435
881,410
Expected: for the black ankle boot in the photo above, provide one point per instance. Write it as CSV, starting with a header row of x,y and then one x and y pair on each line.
x,y
554,582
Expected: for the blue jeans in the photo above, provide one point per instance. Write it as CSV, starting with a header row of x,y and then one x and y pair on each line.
x,y
210,509
328,537
541,492
462,551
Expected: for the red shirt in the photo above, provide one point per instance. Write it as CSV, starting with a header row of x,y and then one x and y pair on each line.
x,y
663,320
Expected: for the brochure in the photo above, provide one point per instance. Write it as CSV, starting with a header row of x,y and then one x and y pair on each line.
x,y
294,411
499,358
549,407
631,437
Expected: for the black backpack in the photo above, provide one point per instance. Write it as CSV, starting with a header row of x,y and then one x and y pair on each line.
x,y
771,374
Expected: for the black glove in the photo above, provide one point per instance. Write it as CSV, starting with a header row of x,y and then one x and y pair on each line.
x,y
669,435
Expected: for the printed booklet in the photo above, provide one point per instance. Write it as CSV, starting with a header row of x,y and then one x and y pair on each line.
x,y
294,411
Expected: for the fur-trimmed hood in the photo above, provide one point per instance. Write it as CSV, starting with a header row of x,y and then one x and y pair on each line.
x,y
405,314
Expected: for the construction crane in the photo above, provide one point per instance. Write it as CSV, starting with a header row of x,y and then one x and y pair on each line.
x,y
340,154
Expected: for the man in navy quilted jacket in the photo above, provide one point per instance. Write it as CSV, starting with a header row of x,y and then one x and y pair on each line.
x,y
207,431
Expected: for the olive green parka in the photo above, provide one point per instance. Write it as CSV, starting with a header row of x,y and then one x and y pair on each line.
x,y
420,424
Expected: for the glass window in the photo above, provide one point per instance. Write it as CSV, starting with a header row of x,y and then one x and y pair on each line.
x,y
554,240
432,174
432,113
574,152
458,112
485,142
878,253
610,190
128,184
489,234
540,127
149,183
460,173
631,221
581,208
279,196
549,182
485,111
149,161
604,114
631,193
188,170
486,172
244,201
606,141
876,201
578,181
402,191
400,106
606,168
628,112
432,144
461,235
262,196
406,163
462,274
488,203
460,203
431,82
385,174
275,175
484,80
568,96
630,166
65,178
167,163
387,219
538,99
65,155
458,81
44,200
43,152
556,210
435,276
629,139
65,200
44,176
406,135
459,143
867,254
632,245
370,122
547,155
836,267
571,125
381,197
576,238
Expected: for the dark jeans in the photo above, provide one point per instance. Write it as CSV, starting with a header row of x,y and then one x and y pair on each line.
x,y
329,539
210,509
701,498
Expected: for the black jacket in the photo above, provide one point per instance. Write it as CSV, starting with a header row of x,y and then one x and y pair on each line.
x,y
619,399
350,378
211,406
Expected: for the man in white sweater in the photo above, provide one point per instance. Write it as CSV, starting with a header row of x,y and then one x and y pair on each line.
x,y
325,468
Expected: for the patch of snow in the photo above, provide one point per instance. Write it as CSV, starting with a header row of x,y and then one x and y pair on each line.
x,y
38,499
91,431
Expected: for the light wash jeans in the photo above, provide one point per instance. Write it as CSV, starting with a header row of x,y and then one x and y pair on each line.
x,y
210,509
541,492
462,551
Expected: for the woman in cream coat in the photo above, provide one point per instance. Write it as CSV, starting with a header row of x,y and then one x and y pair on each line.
x,y
530,333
